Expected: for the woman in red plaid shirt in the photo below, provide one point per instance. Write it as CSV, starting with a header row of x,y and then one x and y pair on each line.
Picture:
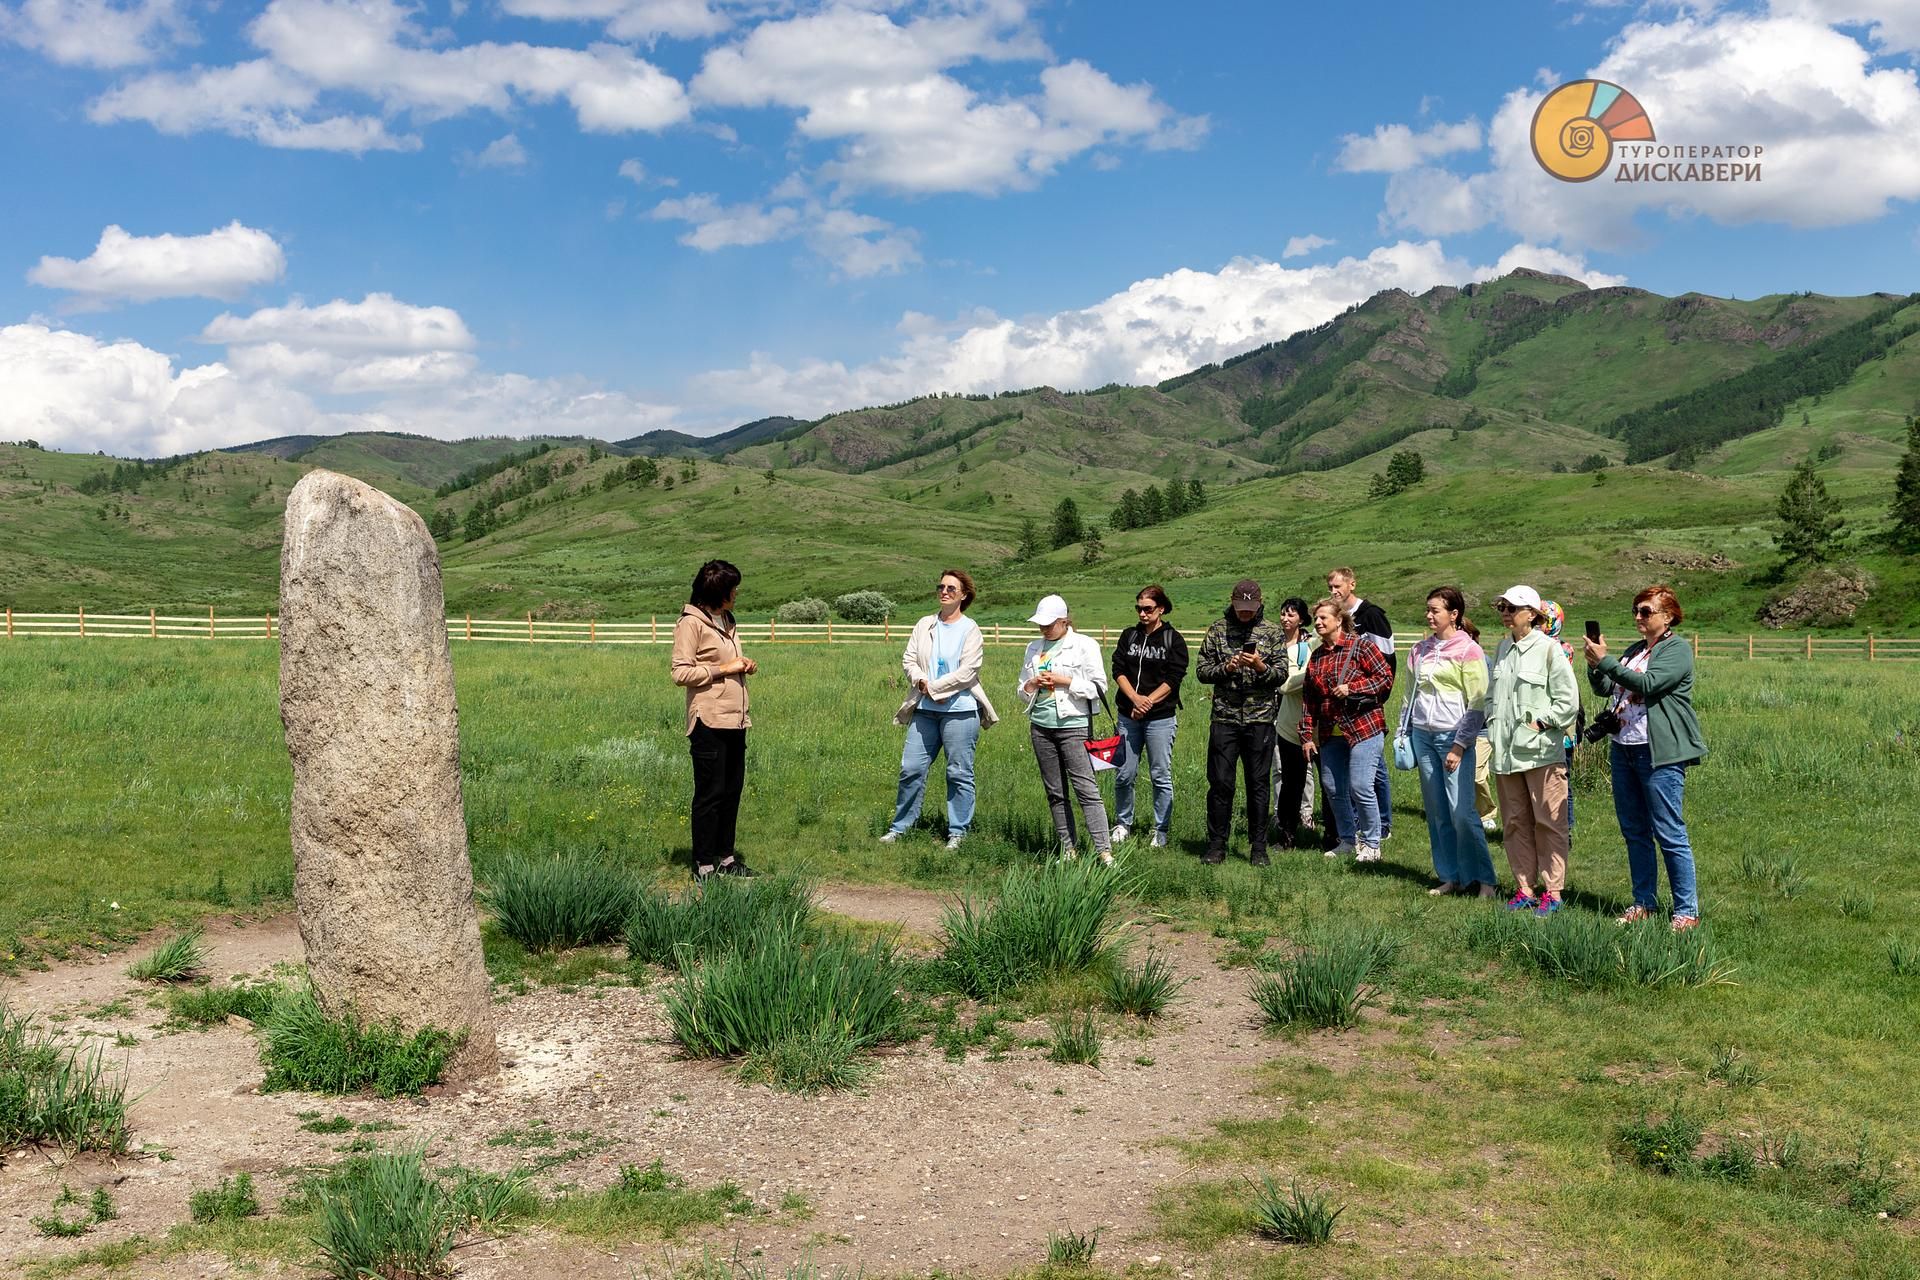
x,y
1343,725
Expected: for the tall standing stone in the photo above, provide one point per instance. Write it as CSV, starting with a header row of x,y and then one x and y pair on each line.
x,y
381,880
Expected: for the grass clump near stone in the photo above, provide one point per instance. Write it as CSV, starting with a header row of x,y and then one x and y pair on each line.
x,y
213,1004
1047,920
59,1094
721,916
1326,985
553,903
306,1048
1587,950
1143,990
230,1201
175,960
796,1010
1292,1216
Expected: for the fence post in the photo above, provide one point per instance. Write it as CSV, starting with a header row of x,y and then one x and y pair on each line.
x,y
269,626
593,631
1749,646
1103,635
653,635
1696,648
211,633
1870,656
9,622
773,628
887,622
829,628
153,623
83,622
996,633
469,626
529,626
1809,646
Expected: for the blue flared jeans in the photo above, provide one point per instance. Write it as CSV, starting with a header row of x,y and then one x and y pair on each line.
x,y
929,733
1647,799
1460,853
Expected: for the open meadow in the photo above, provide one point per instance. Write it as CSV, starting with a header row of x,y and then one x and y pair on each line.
x,y
1509,1097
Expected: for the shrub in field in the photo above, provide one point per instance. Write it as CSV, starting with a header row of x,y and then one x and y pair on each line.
x,y
305,1048
785,992
723,915
174,960
1046,920
53,1093
1292,1216
1325,985
1587,950
230,1201
1072,1248
1074,1039
1143,990
1666,1147
549,904
864,606
385,1215
805,609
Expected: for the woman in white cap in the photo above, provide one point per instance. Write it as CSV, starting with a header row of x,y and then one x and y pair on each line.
x,y
1061,681
1531,703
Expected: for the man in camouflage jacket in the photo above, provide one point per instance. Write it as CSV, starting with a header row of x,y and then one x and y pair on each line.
x,y
1246,699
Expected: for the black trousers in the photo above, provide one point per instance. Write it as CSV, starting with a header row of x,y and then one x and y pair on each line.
x,y
1293,784
1250,748
719,775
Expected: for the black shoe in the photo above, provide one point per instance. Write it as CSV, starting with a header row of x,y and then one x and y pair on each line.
x,y
1259,860
735,867
1214,857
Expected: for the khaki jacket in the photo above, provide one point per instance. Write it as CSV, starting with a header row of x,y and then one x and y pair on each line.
x,y
918,660
1532,680
699,645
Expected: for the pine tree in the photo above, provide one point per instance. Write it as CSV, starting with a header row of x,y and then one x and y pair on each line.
x,y
1196,494
1405,469
1029,540
1153,507
1092,546
476,523
1810,518
1176,499
1906,492
1066,524
1127,514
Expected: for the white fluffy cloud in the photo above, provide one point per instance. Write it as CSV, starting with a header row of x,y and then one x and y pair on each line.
x,y
858,245
722,226
882,90
1893,25
1149,331
221,264
1838,133
1301,246
629,19
1393,147
378,323
94,33
502,153
374,49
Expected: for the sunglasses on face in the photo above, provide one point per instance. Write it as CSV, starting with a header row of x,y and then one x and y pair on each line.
x,y
1644,612
1504,607
947,589
1146,608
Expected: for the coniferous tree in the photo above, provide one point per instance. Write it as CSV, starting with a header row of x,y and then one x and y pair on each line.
x,y
1092,546
1810,520
1196,494
1127,514
1066,524
1153,507
476,523
1906,492
1029,546
1176,499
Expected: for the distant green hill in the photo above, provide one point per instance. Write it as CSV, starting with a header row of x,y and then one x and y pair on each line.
x,y
1522,397
659,443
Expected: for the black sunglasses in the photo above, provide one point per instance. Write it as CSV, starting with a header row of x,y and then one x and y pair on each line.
x,y
1645,611
1145,608
943,587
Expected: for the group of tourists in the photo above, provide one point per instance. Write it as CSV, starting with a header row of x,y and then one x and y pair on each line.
x,y
1306,694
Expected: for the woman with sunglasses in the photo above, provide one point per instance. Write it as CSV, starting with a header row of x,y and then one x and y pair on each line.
x,y
1531,702
945,711
1148,665
1649,692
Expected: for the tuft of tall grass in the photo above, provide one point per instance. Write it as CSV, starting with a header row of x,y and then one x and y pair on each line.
x,y
648,1197
1072,1248
1050,919
829,998
1074,1039
552,903
175,960
1664,1147
821,1058
723,915
304,1047
1326,985
59,1094
1143,990
230,1201
1903,957
1587,950
385,1215
1292,1216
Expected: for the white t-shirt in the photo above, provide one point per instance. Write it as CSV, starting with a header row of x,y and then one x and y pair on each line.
x,y
1633,711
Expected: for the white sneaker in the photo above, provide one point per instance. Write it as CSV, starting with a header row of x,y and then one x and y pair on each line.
x,y
1490,826
1106,859
890,837
953,842
1159,839
1341,850
1121,832
1068,853
1367,853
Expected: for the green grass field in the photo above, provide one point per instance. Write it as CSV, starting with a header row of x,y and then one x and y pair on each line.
x,y
148,784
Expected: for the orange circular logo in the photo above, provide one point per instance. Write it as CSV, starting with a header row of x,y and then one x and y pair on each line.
x,y
1576,125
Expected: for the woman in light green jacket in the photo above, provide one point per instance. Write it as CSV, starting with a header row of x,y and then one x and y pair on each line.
x,y
1531,703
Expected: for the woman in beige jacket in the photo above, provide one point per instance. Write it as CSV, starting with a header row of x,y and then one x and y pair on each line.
x,y
708,664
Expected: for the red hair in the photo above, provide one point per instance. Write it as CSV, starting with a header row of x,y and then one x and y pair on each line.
x,y
1662,598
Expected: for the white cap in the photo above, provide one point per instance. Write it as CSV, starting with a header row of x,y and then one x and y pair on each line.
x,y
1051,609
1520,598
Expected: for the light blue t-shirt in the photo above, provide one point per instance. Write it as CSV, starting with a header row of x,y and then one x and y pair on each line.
x,y
949,645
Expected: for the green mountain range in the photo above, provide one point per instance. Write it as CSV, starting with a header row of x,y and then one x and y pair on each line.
x,y
1589,440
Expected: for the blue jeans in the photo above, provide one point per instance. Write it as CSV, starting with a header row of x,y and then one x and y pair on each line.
x,y
929,732
1348,771
1460,853
1154,738
1383,793
1647,800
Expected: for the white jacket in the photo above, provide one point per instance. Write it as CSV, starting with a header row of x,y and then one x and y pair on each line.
x,y
918,660
1079,657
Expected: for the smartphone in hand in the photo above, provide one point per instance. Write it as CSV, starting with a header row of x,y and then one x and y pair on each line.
x,y
1593,630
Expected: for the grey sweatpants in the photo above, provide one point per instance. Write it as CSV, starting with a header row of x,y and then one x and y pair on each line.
x,y
1063,758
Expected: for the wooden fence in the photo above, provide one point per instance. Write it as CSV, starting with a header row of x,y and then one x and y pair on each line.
x,y
153,625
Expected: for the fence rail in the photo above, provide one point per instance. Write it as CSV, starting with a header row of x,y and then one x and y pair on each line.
x,y
153,625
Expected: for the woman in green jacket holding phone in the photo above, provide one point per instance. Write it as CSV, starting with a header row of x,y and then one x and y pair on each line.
x,y
1656,737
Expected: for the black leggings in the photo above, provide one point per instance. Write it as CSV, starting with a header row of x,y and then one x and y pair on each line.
x,y
1293,784
719,775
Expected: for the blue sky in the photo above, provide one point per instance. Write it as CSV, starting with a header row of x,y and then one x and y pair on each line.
x,y
603,216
